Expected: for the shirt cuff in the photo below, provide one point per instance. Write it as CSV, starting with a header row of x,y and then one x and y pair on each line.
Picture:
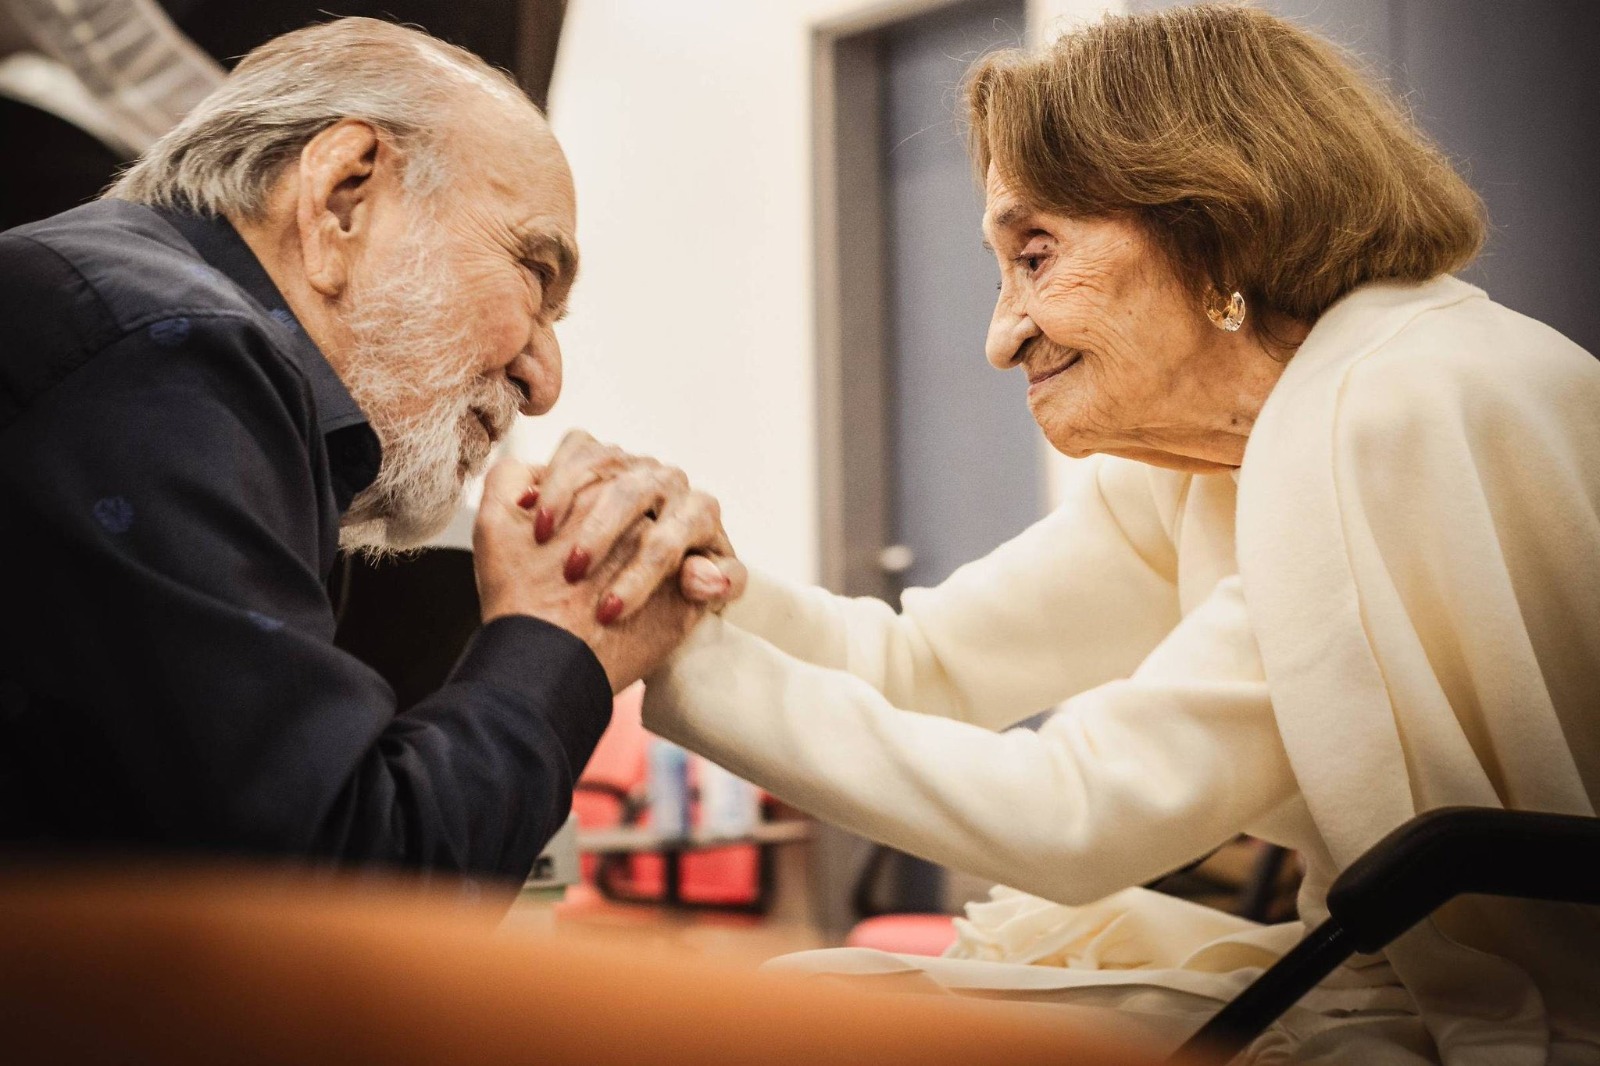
x,y
538,665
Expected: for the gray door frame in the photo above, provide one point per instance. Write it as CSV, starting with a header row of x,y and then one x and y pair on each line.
x,y
854,460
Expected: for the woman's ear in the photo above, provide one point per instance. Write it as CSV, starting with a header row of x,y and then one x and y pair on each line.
x,y
345,171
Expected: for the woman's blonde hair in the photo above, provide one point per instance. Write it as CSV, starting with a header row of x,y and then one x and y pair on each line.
x,y
1254,152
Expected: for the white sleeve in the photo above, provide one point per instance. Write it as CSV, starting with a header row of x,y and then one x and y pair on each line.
x,y
1076,600
1126,782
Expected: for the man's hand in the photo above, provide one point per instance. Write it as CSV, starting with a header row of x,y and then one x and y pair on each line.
x,y
684,536
518,575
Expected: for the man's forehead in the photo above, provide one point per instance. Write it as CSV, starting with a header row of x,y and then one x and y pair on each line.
x,y
538,190
527,172
509,138
522,175
545,210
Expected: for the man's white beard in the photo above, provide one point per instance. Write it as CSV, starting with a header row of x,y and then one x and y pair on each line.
x,y
409,353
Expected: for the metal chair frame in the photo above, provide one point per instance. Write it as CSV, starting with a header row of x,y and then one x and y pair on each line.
x,y
1398,882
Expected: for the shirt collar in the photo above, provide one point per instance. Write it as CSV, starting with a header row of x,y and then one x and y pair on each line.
x,y
220,245
354,454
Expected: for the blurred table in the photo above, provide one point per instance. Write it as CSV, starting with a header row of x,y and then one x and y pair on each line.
x,y
634,840
626,840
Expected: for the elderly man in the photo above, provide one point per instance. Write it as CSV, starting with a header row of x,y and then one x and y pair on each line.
x,y
301,321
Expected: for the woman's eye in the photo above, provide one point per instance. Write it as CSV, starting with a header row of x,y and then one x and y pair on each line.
x,y
1033,258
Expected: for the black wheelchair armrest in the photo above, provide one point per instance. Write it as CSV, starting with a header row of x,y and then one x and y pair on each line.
x,y
1455,851
1400,880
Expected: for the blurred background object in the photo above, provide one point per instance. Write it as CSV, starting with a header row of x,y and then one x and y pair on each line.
x,y
117,68
520,36
86,85
652,834
177,966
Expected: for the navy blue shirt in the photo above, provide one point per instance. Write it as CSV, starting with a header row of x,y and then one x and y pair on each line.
x,y
175,455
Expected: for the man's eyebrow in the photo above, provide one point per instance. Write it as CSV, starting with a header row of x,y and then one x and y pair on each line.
x,y
547,246
544,247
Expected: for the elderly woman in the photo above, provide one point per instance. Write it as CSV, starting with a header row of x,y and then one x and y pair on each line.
x,y
1332,559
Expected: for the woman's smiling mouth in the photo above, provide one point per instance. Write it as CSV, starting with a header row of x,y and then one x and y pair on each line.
x,y
1039,377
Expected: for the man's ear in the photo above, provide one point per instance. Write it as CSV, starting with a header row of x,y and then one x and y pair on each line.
x,y
345,172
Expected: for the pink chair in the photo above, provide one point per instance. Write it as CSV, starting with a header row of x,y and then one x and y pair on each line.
x,y
613,791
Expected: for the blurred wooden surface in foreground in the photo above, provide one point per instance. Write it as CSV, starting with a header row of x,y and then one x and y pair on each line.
x,y
182,966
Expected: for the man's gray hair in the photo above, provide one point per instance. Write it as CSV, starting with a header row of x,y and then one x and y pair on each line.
x,y
227,154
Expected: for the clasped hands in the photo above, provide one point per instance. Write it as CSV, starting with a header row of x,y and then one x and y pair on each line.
x,y
617,549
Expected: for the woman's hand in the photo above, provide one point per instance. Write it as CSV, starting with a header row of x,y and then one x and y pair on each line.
x,y
594,493
517,575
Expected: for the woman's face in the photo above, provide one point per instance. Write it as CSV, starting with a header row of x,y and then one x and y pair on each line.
x,y
1118,356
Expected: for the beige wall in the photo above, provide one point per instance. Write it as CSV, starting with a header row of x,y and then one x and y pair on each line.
x,y
688,126
690,337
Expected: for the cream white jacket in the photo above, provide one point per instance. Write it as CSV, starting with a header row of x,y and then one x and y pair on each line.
x,y
1396,608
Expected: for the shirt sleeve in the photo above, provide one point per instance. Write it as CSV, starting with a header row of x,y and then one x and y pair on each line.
x,y
171,634
1127,781
1075,600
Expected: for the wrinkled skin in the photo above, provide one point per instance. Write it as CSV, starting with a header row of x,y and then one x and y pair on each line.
x,y
1119,356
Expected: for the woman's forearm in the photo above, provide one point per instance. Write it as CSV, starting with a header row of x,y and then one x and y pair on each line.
x,y
1074,601
862,636
805,621
1132,779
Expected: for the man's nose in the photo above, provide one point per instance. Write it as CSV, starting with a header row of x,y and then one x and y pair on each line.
x,y
536,371
1009,329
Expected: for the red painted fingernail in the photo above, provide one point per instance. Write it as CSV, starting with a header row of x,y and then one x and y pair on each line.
x,y
610,609
544,525
529,498
577,566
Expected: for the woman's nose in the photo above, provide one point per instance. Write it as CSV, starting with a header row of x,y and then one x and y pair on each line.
x,y
1009,329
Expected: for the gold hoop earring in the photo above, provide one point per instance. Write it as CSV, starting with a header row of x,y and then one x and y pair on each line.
x,y
1231,317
